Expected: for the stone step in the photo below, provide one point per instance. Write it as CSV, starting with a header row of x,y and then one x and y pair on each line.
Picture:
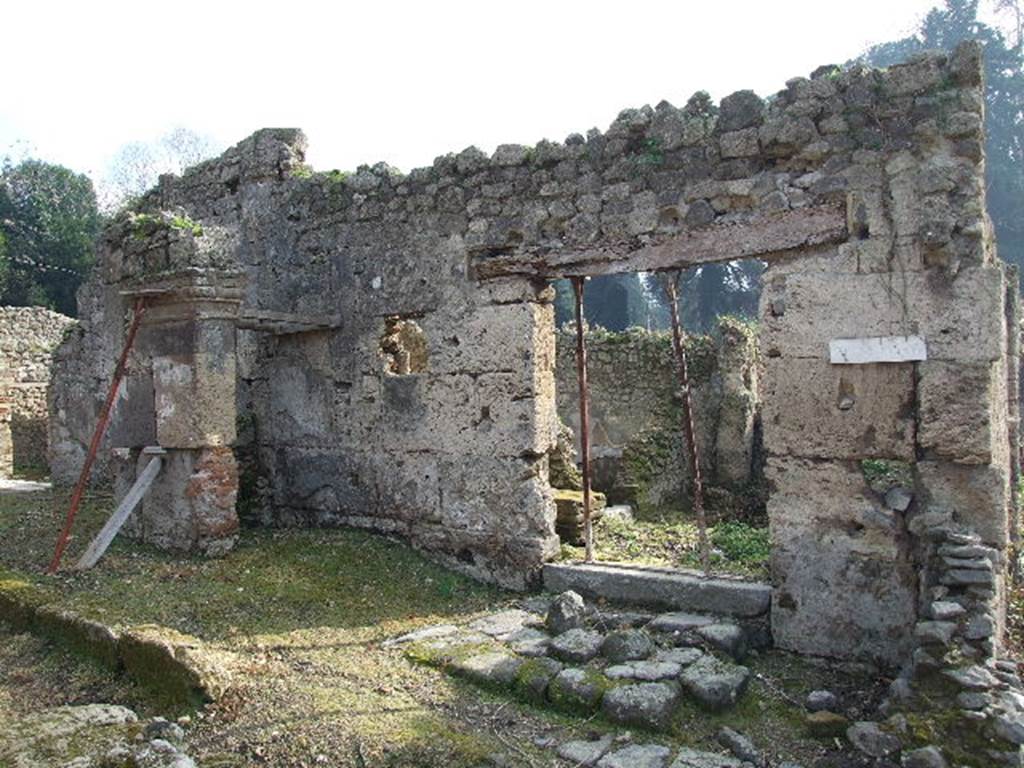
x,y
661,588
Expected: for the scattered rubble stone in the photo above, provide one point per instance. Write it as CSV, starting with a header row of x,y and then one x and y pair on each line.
x,y
529,642
818,701
637,756
501,625
725,637
648,705
925,757
576,688
870,739
695,758
627,645
740,745
824,723
715,684
567,611
650,671
577,645
494,668
586,753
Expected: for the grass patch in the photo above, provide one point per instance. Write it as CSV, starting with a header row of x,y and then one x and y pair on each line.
x,y
668,538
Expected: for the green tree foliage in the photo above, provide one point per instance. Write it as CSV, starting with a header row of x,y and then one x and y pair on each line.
x,y
944,27
614,302
48,223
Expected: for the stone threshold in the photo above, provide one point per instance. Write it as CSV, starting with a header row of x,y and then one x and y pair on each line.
x,y
179,669
661,588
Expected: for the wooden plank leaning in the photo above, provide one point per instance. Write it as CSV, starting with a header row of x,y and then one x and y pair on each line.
x,y
99,545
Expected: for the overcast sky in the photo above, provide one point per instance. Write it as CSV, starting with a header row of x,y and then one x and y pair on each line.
x,y
396,81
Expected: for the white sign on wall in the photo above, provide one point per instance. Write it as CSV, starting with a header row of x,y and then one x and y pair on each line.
x,y
877,349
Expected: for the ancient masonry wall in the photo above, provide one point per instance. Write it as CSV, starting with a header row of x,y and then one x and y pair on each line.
x,y
635,416
28,337
863,189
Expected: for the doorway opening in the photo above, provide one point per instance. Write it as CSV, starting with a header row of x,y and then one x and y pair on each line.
x,y
643,490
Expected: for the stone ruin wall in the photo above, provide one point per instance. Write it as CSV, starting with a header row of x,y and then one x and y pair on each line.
x,y
28,337
635,414
862,188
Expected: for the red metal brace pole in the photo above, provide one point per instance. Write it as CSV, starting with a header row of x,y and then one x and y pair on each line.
x,y
581,373
97,436
693,454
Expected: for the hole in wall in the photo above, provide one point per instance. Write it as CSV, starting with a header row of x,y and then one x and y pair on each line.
x,y
403,347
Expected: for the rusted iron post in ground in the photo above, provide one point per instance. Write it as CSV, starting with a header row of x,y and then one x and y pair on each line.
x,y
671,280
97,436
581,374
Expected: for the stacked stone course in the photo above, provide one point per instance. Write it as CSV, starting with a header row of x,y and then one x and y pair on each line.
x,y
28,337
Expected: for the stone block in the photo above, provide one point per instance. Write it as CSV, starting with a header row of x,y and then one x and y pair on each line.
x,y
842,412
194,400
978,496
960,318
957,412
472,492
661,588
846,586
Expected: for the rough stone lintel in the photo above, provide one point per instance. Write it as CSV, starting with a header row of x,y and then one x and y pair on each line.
x,y
760,236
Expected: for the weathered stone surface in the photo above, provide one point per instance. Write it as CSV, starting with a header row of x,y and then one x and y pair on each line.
x,y
529,642
666,589
853,411
942,610
651,671
578,689
696,758
740,745
586,753
567,611
533,677
725,637
824,723
627,645
493,668
637,756
859,614
715,684
577,645
504,624
925,757
870,739
28,339
681,656
647,705
821,701
680,621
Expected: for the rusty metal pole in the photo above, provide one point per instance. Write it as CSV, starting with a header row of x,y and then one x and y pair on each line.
x,y
97,435
581,375
692,451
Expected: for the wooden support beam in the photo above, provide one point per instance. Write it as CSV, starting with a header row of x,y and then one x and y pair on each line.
x,y
282,323
761,236
103,539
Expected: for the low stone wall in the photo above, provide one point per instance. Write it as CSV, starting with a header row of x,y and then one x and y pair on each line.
x,y
28,337
635,408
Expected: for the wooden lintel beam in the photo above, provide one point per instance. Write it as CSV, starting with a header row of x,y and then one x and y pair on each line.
x,y
762,236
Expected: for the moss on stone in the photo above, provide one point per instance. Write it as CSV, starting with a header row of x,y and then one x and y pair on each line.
x,y
564,699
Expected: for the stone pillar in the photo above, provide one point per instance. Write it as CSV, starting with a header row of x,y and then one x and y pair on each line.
x,y
183,394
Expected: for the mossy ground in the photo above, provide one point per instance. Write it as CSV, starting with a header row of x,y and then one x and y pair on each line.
x,y
305,612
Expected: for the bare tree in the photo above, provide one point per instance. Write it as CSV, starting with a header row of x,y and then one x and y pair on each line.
x,y
137,166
